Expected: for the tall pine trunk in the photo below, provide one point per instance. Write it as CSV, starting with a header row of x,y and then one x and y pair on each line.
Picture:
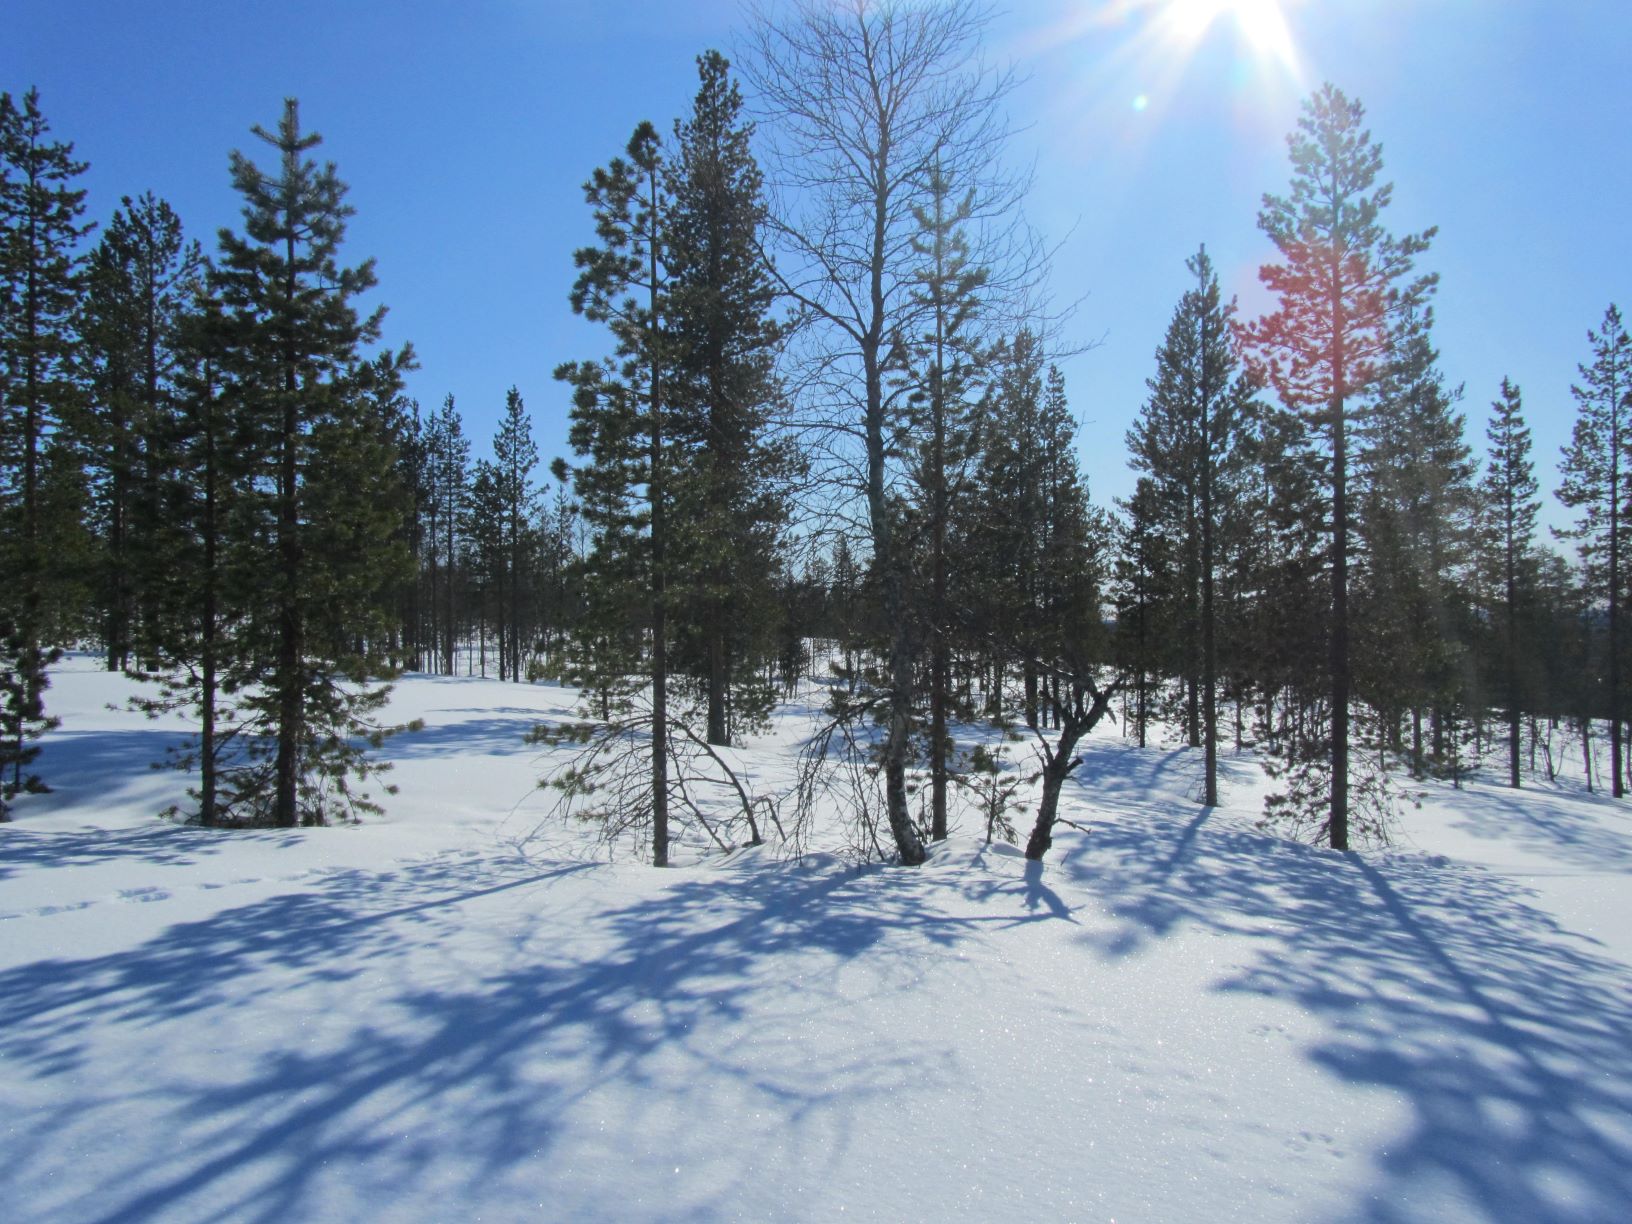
x,y
719,680
1209,645
1339,818
208,633
660,656
291,698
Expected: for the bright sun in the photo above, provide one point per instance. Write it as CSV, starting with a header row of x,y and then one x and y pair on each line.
x,y
1260,22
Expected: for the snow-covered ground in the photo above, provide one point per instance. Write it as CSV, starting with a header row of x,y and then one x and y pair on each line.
x,y
432,1017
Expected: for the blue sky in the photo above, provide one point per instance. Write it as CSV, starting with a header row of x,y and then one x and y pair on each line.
x,y
465,131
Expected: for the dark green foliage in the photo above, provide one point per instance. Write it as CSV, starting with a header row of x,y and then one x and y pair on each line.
x,y
515,455
327,499
1596,472
23,682
140,278
201,568
1036,554
987,774
1189,439
619,421
1413,647
1509,508
42,549
485,556
1144,579
1328,340
945,360
446,487
681,488
728,472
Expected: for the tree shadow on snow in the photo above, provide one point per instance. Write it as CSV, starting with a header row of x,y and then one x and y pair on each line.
x,y
91,769
485,1058
158,843
1443,984
1591,832
493,736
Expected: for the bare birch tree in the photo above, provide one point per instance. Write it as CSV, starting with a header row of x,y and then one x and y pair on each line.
x,y
864,105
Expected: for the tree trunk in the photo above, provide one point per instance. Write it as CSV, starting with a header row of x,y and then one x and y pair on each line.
x,y
1339,817
718,682
289,681
1209,641
207,644
1058,759
1586,749
660,656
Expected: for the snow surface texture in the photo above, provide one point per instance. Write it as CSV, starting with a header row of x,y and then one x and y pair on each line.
x,y
431,1017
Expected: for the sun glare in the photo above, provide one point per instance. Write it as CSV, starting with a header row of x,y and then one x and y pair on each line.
x,y
1260,23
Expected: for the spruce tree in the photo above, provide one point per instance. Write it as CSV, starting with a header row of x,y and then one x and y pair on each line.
x,y
293,340
1596,473
1326,343
1510,511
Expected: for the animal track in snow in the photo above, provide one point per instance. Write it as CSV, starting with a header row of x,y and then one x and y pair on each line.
x,y
143,894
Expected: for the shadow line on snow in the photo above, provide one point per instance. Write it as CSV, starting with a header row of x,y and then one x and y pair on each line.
x,y
1444,984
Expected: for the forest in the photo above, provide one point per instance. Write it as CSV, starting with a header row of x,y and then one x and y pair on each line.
x,y
825,438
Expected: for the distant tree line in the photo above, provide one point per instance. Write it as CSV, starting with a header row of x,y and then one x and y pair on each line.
x,y
826,438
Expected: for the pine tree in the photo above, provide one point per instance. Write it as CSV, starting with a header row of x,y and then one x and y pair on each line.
x,y
1143,571
1188,438
1039,572
620,422
1417,506
1596,474
946,361
22,711
558,553
484,536
293,337
1510,511
1279,562
1015,445
396,420
515,456
40,286
1327,341
447,485
728,470
844,606
201,565
140,279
